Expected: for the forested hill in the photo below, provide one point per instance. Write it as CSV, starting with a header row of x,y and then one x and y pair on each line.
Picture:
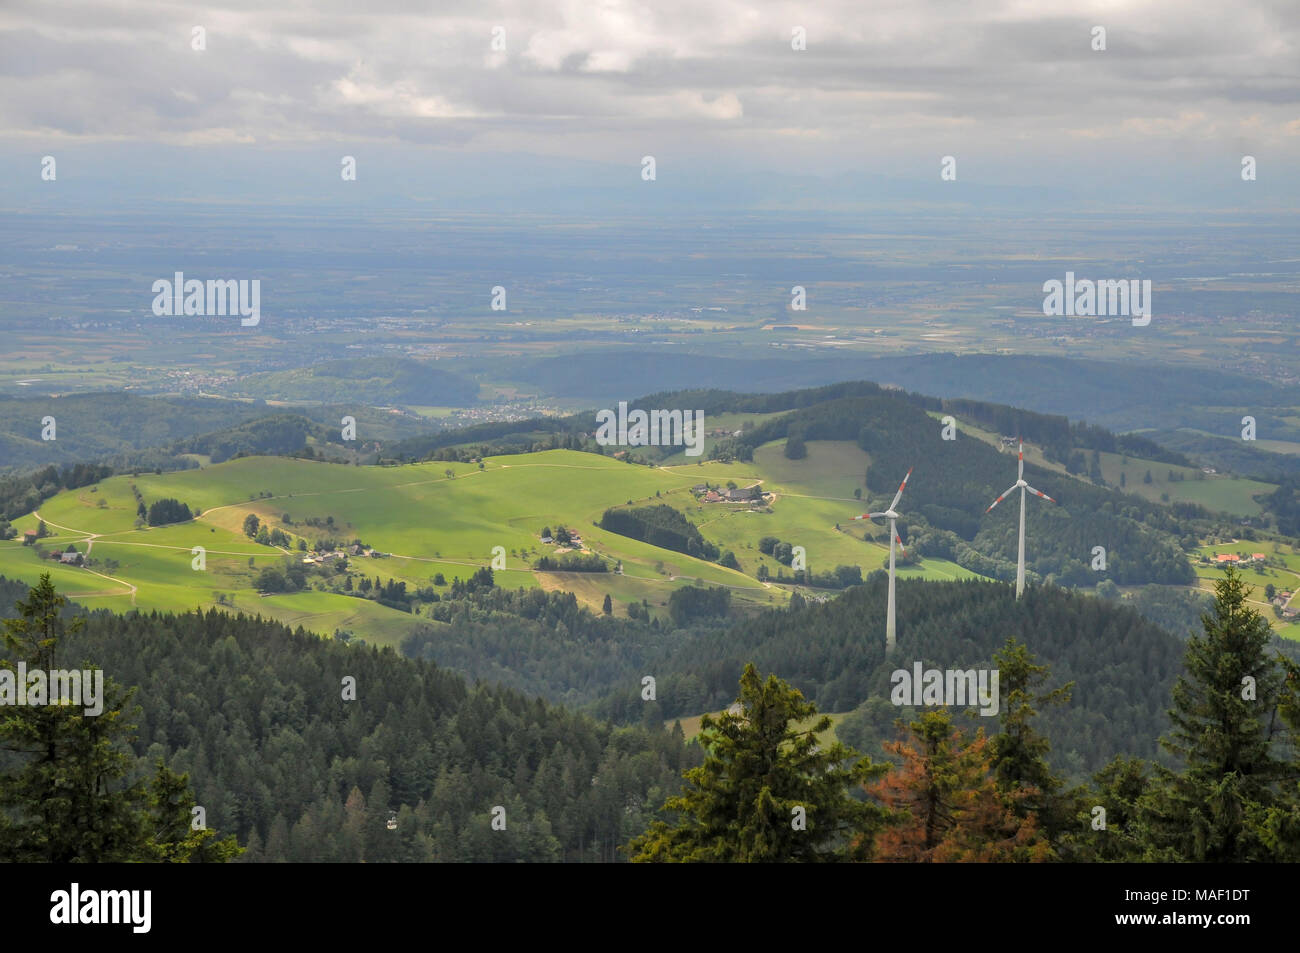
x,y
1056,434
254,712
1123,666
956,479
129,431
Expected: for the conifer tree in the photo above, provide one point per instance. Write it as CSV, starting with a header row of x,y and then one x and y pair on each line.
x,y
1224,707
69,801
1019,751
1277,825
767,791
1118,833
171,835
58,805
945,804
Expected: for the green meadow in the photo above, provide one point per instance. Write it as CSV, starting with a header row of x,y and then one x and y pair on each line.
x,y
1218,492
813,496
444,518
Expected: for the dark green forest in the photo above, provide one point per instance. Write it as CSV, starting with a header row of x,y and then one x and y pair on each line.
x,y
834,653
318,750
254,713
769,791
659,525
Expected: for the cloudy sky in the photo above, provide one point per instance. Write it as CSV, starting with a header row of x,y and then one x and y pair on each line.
x,y
1012,88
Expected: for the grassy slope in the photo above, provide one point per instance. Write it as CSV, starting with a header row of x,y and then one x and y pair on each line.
x,y
1221,492
429,523
1227,494
433,523
813,495
1285,577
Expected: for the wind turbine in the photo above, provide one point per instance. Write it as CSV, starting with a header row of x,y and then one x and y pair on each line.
x,y
893,538
1023,486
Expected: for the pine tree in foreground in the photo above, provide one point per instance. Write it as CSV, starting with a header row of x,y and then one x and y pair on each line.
x,y
69,800
1019,751
1277,825
1224,715
767,791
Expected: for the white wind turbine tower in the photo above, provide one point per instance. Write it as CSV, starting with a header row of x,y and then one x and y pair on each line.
x,y
892,515
1023,486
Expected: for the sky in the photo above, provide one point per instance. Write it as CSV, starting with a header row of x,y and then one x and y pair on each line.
x,y
426,99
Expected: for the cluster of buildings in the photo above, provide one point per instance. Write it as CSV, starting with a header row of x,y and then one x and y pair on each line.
x,y
748,494
575,541
332,557
1234,559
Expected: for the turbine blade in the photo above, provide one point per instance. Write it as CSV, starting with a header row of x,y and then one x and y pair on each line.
x,y
1002,497
1039,493
900,543
899,495
869,516
1021,474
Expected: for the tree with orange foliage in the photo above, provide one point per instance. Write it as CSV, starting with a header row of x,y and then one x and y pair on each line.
x,y
945,802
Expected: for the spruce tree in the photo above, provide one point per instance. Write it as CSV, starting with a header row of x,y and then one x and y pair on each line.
x,y
69,800
1277,825
1019,751
169,819
58,802
767,791
1120,833
1224,707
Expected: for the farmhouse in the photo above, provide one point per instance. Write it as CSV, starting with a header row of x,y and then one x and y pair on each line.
x,y
29,537
1224,558
744,494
